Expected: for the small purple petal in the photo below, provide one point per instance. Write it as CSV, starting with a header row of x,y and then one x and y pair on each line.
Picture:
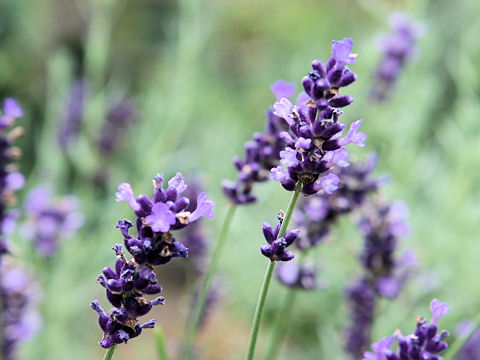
x,y
12,108
438,310
289,157
125,193
329,183
204,208
341,51
161,218
282,89
178,183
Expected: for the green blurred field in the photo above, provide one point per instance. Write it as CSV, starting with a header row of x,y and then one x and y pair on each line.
x,y
199,73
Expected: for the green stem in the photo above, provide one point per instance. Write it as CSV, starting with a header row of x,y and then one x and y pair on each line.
x,y
207,282
281,319
160,340
109,353
268,276
458,343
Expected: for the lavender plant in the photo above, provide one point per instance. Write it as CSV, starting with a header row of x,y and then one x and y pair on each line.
x,y
50,221
397,48
313,148
383,275
130,280
425,343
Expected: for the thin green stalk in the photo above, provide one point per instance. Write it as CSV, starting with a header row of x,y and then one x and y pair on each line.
x,y
281,319
207,282
458,343
268,276
160,340
109,353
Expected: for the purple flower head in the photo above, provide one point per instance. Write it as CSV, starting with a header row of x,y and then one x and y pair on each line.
x,y
282,89
20,318
341,51
425,343
12,108
313,144
300,277
72,121
398,48
50,221
275,251
438,310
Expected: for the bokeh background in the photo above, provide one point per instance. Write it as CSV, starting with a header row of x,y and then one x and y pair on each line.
x,y
198,74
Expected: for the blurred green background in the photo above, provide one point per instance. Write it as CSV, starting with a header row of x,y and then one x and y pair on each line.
x,y
199,74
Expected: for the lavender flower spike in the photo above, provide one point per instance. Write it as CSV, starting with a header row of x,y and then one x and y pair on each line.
x,y
313,143
275,251
127,283
425,343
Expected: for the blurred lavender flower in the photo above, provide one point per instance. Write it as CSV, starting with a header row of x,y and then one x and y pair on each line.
x,y
73,115
471,349
120,115
397,48
298,276
19,318
262,153
50,221
425,343
383,275
10,179
130,280
313,143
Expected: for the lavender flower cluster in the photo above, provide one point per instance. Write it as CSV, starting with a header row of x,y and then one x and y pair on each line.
x,y
425,343
10,179
130,280
313,143
19,317
262,153
398,48
50,221
381,226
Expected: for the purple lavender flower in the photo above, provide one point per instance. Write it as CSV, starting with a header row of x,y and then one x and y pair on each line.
x,y
130,280
298,276
262,153
425,343
471,349
73,117
275,251
121,114
19,318
50,221
398,48
10,179
313,143
381,226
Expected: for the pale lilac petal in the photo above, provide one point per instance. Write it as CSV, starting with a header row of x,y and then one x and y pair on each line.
x,y
12,108
282,89
330,183
289,157
283,109
337,157
178,183
125,193
15,181
438,310
354,136
161,218
303,143
204,208
278,174
341,51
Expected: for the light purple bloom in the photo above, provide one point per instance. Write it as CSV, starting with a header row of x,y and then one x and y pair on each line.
x,y
204,208
380,347
329,183
282,89
289,157
354,136
15,181
388,286
283,109
341,51
438,310
125,193
178,183
303,143
278,174
12,108
337,157
161,218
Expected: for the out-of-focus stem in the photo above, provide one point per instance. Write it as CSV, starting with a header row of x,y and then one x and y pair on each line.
x,y
207,282
109,353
